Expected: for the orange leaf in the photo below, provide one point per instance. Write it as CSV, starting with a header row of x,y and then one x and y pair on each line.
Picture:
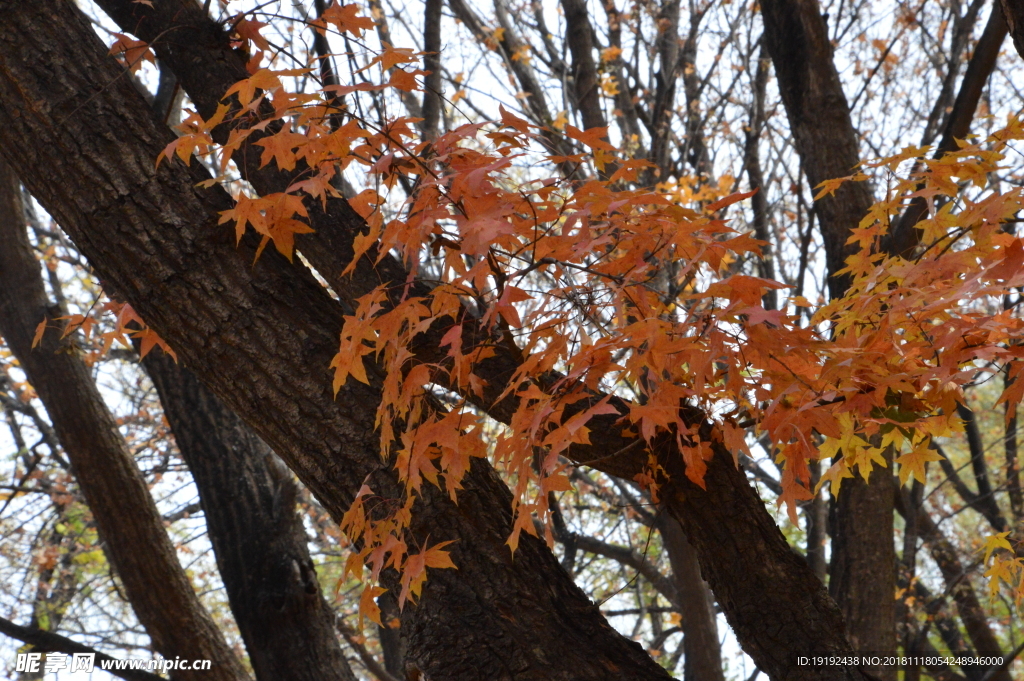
x,y
729,200
132,52
595,138
40,330
345,18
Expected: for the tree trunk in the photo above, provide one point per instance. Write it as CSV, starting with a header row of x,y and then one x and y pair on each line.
x,y
586,93
132,531
701,650
248,500
1013,11
262,337
432,102
863,556
863,580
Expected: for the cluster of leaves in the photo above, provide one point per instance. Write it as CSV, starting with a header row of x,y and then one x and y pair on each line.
x,y
569,276
125,325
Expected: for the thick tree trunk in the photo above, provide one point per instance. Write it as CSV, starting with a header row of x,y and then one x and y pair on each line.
x,y
773,584
127,519
262,337
248,500
863,556
863,580
776,605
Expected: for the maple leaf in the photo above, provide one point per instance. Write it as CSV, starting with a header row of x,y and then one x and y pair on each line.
x,y
610,54
505,306
996,541
40,330
246,212
404,80
595,138
913,463
392,56
249,29
513,121
368,607
414,571
835,475
150,339
280,148
264,79
729,200
345,18
132,52
1003,570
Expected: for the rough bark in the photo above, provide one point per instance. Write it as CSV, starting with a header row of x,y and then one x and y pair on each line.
x,y
261,336
863,580
779,582
1013,11
129,525
248,500
752,570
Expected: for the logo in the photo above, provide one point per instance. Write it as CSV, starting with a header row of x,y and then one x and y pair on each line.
x,y
54,662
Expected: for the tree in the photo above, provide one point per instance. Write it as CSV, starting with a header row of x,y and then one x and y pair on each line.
x,y
218,304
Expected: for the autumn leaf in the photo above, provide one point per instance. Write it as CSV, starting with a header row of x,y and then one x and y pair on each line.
x,y
414,571
368,607
345,18
40,330
729,200
249,29
132,52
996,541
913,463
264,79
595,138
404,80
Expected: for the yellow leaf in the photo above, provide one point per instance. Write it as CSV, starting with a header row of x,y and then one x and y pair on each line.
x,y
996,541
913,462
610,54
